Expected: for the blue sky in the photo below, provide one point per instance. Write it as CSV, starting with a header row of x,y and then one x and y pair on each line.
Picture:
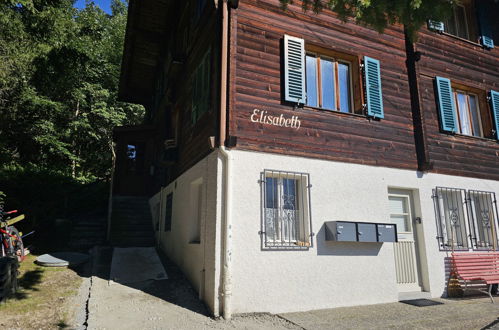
x,y
103,4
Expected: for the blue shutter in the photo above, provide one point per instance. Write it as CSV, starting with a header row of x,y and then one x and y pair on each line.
x,y
373,88
484,9
436,25
294,69
494,102
446,106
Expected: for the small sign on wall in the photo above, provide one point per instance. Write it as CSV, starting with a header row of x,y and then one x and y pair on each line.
x,y
264,117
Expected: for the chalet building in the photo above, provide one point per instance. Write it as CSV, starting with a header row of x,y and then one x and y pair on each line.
x,y
294,161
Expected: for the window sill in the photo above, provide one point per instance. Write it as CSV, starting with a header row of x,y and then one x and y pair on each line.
x,y
476,44
475,138
316,109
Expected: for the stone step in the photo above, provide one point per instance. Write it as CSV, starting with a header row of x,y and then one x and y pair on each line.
x,y
88,231
131,202
131,208
137,221
142,242
86,236
118,216
127,230
131,223
142,233
87,227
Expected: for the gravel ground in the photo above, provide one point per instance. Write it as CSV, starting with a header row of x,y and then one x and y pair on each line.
x,y
165,304
467,313
173,304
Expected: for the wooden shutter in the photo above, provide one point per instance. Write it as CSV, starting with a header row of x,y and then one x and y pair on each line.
x,y
494,103
373,88
294,69
446,106
436,25
484,9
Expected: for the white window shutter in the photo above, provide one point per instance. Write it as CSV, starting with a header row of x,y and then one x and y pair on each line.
x,y
294,69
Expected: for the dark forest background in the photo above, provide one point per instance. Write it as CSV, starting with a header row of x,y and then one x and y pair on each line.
x,y
59,73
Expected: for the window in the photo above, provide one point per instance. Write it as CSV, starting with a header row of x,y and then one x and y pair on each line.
x,y
464,110
286,216
451,222
328,83
461,22
471,20
400,212
168,212
483,224
331,80
458,211
201,88
135,157
468,113
196,210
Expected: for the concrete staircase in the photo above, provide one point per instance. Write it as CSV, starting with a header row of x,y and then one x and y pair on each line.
x,y
131,222
88,231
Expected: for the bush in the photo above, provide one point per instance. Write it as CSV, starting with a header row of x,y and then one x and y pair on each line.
x,y
44,195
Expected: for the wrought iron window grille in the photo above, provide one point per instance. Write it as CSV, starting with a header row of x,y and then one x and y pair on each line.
x,y
483,219
286,218
465,219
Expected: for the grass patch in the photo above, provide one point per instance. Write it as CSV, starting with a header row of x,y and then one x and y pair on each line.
x,y
42,297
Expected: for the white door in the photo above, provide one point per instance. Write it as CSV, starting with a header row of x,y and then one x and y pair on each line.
x,y
406,263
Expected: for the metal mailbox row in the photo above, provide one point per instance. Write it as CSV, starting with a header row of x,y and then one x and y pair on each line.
x,y
346,231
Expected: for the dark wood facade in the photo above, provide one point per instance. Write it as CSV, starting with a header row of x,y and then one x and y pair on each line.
x,y
257,30
470,66
162,50
160,60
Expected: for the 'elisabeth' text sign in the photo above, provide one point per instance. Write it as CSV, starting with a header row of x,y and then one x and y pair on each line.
x,y
262,117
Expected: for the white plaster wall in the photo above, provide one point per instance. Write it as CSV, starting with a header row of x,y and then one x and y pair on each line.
x,y
330,274
197,261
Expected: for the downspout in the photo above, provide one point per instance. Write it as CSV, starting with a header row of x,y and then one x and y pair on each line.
x,y
227,239
422,153
227,200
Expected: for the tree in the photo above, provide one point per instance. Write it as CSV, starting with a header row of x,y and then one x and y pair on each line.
x,y
413,14
59,73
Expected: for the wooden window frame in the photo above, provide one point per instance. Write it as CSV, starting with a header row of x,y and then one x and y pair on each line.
x,y
204,94
274,224
408,214
456,92
485,113
470,21
356,93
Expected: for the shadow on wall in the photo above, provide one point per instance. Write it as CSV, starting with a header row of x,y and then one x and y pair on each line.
x,y
328,248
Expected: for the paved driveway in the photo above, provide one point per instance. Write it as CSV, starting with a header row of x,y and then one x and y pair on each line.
x,y
173,304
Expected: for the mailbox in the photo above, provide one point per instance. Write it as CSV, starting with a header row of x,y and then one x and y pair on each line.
x,y
341,231
387,232
346,231
366,232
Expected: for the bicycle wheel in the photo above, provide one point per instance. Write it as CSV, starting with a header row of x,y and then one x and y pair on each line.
x,y
8,277
17,248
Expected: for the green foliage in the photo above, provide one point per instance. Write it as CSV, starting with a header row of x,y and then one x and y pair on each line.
x,y
413,14
59,73
45,195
